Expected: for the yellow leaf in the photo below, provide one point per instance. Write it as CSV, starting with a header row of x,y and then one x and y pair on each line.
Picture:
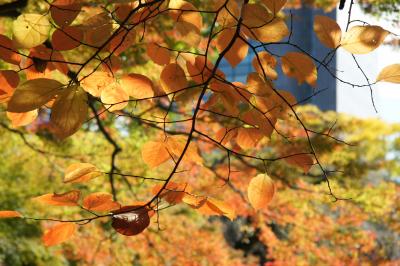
x,y
363,39
237,52
328,31
299,66
30,30
260,191
155,153
100,201
390,73
33,94
173,78
10,214
69,111
69,198
22,119
96,82
114,97
80,172
59,233
137,86
261,25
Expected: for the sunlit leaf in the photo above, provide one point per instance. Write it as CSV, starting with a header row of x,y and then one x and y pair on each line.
x,y
59,234
114,97
80,172
69,111
299,66
363,39
274,5
390,73
10,214
30,30
237,52
8,51
173,193
97,29
69,198
33,94
260,191
137,86
265,63
100,201
216,207
328,31
155,153
96,82
173,78
159,55
9,80
22,119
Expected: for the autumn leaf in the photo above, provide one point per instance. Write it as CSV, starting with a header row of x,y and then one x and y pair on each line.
x,y
100,201
237,52
302,160
274,5
155,153
8,51
130,220
80,172
33,94
97,29
390,73
96,82
22,119
9,80
65,199
10,214
158,54
363,39
173,193
260,191
299,66
59,234
69,111
216,207
328,31
137,86
265,63
67,38
114,97
30,30
64,12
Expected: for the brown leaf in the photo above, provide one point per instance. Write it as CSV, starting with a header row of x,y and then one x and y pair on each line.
x,y
100,201
299,66
131,220
237,52
64,12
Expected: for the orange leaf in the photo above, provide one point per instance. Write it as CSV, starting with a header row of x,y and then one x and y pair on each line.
x,y
8,82
64,12
137,86
8,51
217,207
172,193
237,52
114,97
173,78
161,56
260,191
67,38
100,201
194,201
66,199
304,161
274,5
299,66
22,119
96,82
59,233
155,153
268,63
80,172
10,214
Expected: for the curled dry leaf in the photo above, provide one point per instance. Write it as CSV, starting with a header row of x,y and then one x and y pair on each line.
x,y
328,31
299,66
363,39
10,214
69,111
22,119
69,198
260,191
59,234
131,220
30,30
390,73
80,172
100,201
33,94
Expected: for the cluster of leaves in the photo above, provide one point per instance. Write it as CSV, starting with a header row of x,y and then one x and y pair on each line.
x,y
74,61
